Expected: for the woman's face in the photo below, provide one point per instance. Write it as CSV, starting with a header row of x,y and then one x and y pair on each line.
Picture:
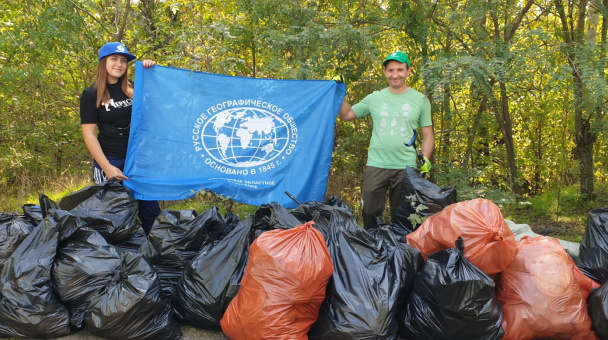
x,y
116,66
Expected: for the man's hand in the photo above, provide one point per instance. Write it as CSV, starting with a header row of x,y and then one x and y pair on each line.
x,y
426,166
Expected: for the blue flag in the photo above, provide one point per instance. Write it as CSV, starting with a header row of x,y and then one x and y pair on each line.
x,y
244,138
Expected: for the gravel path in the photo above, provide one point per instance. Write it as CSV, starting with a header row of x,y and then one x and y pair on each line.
x,y
189,333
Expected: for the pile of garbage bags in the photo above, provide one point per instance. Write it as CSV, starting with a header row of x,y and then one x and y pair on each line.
x,y
69,271
312,272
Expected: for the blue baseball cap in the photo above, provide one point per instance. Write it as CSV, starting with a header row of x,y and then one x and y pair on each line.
x,y
115,48
398,56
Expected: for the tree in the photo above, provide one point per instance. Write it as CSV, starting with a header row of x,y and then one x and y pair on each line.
x,y
582,47
506,78
40,59
484,32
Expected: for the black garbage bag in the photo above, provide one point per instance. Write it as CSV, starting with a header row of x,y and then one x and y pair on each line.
x,y
108,208
133,242
274,216
84,265
337,202
321,213
417,191
28,306
14,228
32,213
213,278
405,261
593,259
597,305
46,204
132,306
373,274
452,299
177,236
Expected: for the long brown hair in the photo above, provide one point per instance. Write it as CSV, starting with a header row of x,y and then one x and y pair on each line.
x,y
103,96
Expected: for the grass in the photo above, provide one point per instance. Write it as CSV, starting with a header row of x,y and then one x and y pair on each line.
x,y
560,213
55,186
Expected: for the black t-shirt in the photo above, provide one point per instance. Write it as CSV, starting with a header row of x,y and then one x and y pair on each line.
x,y
116,113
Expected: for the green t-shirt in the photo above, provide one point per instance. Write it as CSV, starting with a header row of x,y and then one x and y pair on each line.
x,y
394,118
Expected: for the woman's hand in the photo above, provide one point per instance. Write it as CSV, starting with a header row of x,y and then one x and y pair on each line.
x,y
148,63
114,172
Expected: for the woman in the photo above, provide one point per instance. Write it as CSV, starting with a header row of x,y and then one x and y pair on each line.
x,y
106,106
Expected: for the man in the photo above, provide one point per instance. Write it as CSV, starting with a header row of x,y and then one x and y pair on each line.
x,y
396,111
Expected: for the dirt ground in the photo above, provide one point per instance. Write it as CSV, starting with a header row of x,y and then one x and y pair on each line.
x,y
189,333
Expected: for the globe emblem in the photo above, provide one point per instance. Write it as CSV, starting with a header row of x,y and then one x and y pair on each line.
x,y
245,137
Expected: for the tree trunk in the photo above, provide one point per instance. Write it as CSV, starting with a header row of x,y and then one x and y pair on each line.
x,y
585,137
502,114
504,122
473,133
446,118
121,30
46,118
537,144
585,154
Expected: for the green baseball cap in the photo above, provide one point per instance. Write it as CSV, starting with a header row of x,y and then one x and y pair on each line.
x,y
398,56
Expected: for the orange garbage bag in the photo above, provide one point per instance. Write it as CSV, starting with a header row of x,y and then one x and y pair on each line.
x,y
283,286
488,242
544,294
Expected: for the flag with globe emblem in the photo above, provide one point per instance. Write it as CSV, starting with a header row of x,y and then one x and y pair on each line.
x,y
247,139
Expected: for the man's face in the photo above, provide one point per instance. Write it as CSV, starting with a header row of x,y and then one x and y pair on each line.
x,y
396,73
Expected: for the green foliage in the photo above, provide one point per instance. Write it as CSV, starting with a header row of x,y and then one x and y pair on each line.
x,y
39,54
416,218
470,185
